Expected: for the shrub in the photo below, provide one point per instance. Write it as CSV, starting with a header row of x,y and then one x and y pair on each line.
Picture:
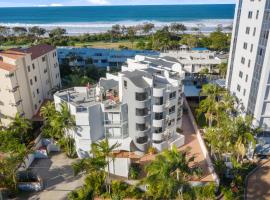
x,y
152,150
134,171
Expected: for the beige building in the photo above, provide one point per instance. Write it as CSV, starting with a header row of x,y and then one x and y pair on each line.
x,y
28,77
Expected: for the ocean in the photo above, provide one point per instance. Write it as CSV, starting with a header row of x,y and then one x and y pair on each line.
x,y
93,19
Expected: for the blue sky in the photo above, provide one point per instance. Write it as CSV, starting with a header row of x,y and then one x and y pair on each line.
x,y
19,3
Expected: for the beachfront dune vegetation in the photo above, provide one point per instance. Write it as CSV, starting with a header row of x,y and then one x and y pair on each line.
x,y
145,37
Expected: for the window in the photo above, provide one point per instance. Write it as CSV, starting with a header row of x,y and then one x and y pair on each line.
x,y
125,84
33,66
247,30
245,45
141,127
173,95
158,116
141,111
244,92
28,68
43,59
35,79
243,60
45,71
251,48
266,34
35,106
250,13
257,14
31,82
254,31
158,129
240,74
246,78
172,110
249,62
261,52
158,101
238,88
37,91
141,96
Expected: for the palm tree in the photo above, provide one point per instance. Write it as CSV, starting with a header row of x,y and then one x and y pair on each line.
x,y
243,134
104,150
210,106
58,125
168,174
20,128
48,111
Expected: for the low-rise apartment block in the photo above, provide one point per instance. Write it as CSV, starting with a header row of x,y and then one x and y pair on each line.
x,y
194,60
28,77
77,57
139,107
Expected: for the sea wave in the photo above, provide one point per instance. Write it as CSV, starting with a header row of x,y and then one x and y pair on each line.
x,y
97,27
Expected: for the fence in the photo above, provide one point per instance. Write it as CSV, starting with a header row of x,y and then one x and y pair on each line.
x,y
202,144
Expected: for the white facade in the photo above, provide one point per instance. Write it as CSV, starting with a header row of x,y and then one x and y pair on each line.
x,y
248,76
100,57
28,77
193,61
138,108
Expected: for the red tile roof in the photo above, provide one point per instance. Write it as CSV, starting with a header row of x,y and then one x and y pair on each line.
x,y
35,51
7,67
39,50
12,53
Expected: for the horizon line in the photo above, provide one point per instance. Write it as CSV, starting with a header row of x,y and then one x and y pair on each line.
x,y
185,4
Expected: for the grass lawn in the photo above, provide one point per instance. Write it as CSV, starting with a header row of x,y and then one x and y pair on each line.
x,y
108,45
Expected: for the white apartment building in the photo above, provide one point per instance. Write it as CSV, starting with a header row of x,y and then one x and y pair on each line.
x,y
248,76
194,60
28,77
139,107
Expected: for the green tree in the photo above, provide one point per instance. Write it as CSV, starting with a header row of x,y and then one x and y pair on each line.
x,y
168,174
177,27
219,41
222,68
57,32
209,106
37,31
147,28
104,150
20,31
20,128
58,125
4,31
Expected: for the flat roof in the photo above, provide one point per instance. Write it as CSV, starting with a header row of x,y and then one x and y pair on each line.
x,y
78,96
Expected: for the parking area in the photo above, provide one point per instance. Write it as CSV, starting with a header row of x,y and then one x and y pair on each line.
x,y
57,175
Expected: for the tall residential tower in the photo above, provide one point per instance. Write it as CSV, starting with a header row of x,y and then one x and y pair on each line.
x,y
248,76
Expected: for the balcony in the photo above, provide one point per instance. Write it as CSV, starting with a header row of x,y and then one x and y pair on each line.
x,y
14,89
157,137
142,143
158,123
16,104
143,133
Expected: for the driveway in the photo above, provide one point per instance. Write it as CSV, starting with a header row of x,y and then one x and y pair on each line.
x,y
258,187
58,178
